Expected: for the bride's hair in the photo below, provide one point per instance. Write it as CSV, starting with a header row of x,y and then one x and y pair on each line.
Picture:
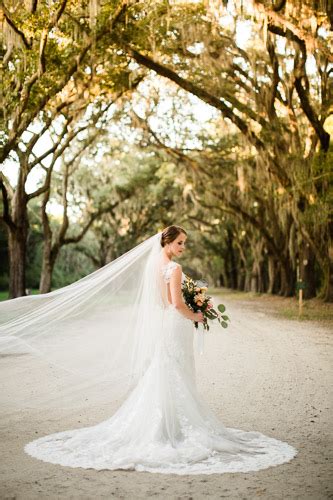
x,y
170,233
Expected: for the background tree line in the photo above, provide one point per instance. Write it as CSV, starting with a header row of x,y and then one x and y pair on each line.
x,y
104,140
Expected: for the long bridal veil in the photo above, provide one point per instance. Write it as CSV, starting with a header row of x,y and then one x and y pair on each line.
x,y
100,331
87,345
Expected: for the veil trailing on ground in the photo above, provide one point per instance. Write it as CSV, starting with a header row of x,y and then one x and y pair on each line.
x,y
100,331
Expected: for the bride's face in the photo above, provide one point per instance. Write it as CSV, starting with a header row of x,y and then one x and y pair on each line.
x,y
177,247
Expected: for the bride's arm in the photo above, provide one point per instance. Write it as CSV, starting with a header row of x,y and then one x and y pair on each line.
x,y
177,297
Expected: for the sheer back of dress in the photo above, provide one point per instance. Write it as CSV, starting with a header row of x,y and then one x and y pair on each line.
x,y
165,272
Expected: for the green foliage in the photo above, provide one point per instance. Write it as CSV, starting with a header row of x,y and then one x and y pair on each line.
x,y
71,266
250,183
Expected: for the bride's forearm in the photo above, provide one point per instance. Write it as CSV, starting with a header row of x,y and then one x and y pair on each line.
x,y
185,310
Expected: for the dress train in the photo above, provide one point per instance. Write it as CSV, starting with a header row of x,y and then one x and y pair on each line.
x,y
163,426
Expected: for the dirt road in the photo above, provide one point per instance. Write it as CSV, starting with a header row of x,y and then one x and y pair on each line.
x,y
263,373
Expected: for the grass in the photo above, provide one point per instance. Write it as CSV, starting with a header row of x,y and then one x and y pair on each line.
x,y
4,294
284,307
312,311
233,294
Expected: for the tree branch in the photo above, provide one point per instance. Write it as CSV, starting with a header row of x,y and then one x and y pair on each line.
x,y
199,92
21,122
217,103
92,218
6,217
13,25
303,93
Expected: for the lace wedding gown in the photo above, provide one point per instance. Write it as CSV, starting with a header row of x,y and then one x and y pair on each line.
x,y
163,426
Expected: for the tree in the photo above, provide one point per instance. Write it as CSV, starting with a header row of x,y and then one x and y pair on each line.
x,y
51,102
253,90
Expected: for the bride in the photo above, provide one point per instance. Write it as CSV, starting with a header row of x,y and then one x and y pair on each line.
x,y
139,334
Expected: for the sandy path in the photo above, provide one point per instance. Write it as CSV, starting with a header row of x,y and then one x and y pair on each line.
x,y
263,374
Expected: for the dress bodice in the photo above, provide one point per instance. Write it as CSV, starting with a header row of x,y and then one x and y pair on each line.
x,y
167,270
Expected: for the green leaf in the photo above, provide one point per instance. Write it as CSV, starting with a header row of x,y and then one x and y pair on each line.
x,y
221,308
226,318
224,324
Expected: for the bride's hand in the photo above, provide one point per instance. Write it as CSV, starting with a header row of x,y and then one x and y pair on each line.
x,y
198,317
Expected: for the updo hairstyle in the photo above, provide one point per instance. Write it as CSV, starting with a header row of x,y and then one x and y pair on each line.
x,y
170,234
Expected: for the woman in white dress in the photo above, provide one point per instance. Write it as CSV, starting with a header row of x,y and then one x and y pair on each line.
x,y
163,426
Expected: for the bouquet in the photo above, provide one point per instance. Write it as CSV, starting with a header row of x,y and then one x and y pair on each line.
x,y
194,293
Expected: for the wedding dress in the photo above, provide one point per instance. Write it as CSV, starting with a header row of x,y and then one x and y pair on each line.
x,y
163,426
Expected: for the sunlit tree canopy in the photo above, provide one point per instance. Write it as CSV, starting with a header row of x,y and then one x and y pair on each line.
x,y
121,117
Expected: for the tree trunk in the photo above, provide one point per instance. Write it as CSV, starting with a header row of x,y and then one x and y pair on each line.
x,y
50,254
254,278
241,277
226,273
17,244
232,262
271,274
46,273
17,240
328,277
261,277
247,282
287,279
329,284
307,271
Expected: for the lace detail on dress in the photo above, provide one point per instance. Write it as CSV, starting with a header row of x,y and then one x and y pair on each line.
x,y
168,269
164,426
